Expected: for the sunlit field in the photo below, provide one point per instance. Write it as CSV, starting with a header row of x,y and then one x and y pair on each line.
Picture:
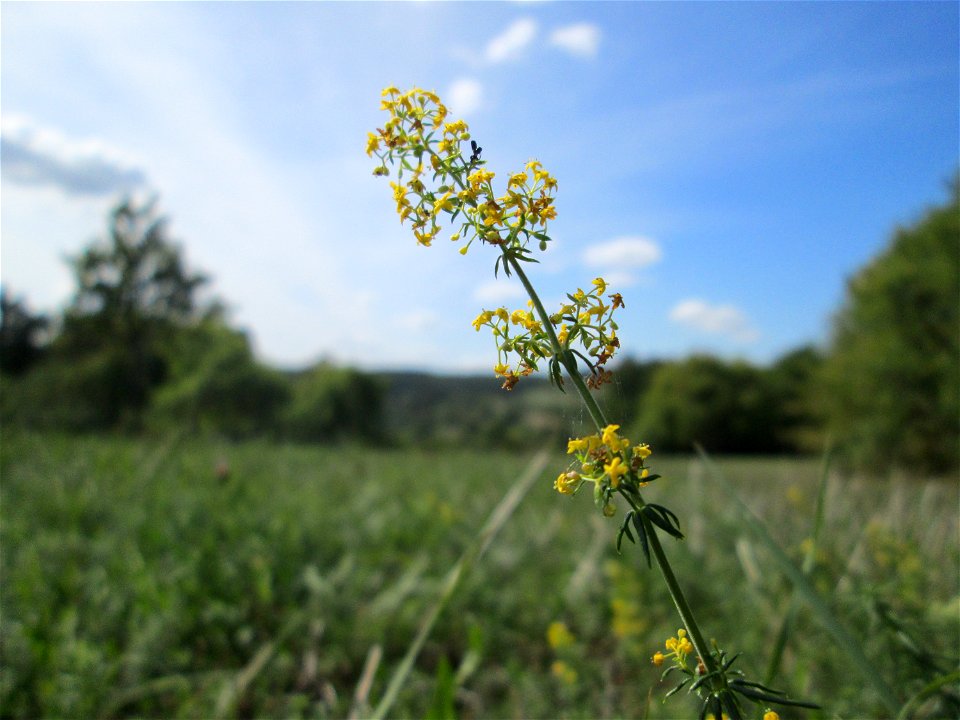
x,y
173,578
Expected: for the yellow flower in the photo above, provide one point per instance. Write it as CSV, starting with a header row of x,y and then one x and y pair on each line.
x,y
601,285
559,635
610,437
455,128
518,317
564,672
442,203
547,213
389,90
479,177
517,180
567,483
642,451
770,715
658,658
577,445
373,143
615,469
482,319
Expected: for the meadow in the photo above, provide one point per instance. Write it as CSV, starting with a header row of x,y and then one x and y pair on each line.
x,y
179,577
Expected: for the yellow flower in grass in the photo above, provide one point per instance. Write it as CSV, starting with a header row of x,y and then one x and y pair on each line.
x,y
559,635
564,672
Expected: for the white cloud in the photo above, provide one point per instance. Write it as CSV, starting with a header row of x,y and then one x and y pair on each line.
x,y
418,321
629,251
43,156
497,292
464,96
581,39
714,319
509,44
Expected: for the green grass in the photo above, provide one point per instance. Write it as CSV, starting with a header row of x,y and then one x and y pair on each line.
x,y
138,582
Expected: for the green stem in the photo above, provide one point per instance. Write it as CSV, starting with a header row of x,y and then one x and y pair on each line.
x,y
570,365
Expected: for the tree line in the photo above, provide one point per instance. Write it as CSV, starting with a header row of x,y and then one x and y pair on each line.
x,y
138,350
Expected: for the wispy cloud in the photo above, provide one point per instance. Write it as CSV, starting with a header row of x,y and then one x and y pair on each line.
x,y
511,43
35,155
464,96
580,39
630,251
714,319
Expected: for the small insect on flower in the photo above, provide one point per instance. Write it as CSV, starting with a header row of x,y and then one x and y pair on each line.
x,y
475,157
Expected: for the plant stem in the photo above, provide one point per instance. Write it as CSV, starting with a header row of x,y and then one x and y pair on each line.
x,y
599,419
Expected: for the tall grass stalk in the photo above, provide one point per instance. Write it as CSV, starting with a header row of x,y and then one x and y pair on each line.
x,y
809,560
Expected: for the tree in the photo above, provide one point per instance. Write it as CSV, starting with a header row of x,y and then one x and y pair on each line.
x,y
891,380
792,381
133,293
726,407
21,335
215,385
332,403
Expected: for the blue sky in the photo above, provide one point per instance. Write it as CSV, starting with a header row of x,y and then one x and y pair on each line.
x,y
726,166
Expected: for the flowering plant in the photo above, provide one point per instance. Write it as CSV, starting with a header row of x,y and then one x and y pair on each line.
x,y
438,181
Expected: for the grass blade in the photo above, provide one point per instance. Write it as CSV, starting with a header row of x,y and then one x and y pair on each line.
x,y
776,657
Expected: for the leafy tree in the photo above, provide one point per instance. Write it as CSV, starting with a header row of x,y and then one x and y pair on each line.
x,y
792,381
215,385
631,379
21,335
724,407
133,294
891,380
332,403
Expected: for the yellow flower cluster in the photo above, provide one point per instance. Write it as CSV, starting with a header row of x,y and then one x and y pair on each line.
x,y
586,320
604,460
417,132
680,649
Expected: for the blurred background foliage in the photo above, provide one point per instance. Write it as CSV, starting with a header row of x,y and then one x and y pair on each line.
x,y
144,348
